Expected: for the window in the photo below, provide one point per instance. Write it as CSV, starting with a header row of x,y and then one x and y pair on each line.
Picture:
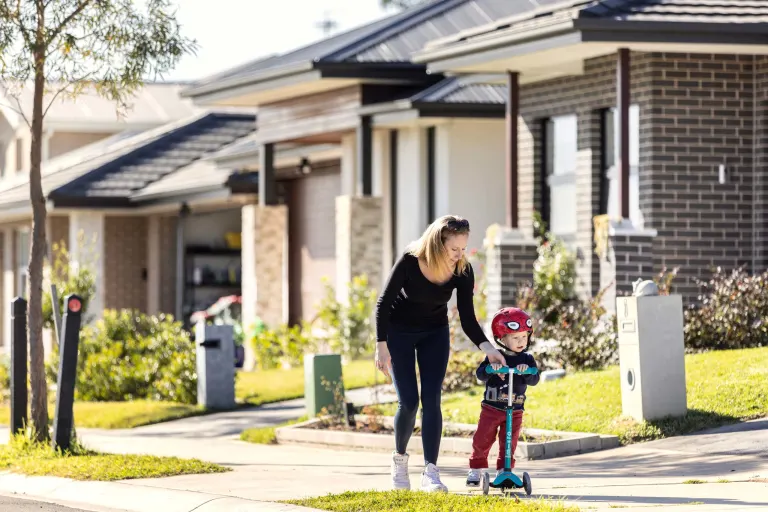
x,y
611,204
560,138
22,261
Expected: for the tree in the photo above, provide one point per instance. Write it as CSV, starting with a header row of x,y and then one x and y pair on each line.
x,y
399,4
64,47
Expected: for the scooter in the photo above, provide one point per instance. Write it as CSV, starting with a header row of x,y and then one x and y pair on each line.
x,y
507,480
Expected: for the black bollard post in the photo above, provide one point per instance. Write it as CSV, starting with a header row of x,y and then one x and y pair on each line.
x,y
65,397
18,365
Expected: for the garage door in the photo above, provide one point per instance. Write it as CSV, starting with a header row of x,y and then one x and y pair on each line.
x,y
312,239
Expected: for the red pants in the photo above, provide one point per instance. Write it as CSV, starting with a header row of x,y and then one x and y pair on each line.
x,y
493,424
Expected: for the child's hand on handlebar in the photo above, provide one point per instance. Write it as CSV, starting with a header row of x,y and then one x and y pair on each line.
x,y
497,367
522,367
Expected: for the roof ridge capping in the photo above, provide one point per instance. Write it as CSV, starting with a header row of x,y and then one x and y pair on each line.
x,y
572,7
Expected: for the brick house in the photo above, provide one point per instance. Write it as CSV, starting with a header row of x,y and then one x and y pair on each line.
x,y
404,136
652,112
73,131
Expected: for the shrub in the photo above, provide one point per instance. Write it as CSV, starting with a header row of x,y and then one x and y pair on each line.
x,y
284,345
554,273
583,336
733,313
127,355
348,328
5,378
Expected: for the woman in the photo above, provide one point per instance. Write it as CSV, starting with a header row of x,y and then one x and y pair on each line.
x,y
412,326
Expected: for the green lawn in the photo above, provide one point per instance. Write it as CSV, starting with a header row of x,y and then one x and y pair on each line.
x,y
723,387
404,501
261,387
253,388
23,456
266,435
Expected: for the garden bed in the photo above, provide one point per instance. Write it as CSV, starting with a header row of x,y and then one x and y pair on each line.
x,y
377,433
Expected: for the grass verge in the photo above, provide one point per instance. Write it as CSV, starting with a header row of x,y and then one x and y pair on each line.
x,y
404,501
266,386
266,435
723,387
35,459
111,415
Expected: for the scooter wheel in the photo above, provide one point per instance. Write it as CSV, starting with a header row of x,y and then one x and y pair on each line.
x,y
486,482
527,484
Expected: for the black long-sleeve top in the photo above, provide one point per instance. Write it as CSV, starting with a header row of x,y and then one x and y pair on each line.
x,y
497,389
410,299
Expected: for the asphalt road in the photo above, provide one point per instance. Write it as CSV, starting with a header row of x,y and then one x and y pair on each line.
x,y
19,505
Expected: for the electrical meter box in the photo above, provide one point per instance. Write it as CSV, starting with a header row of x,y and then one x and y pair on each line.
x,y
652,356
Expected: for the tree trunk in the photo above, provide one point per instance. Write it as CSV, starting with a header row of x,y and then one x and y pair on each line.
x,y
37,251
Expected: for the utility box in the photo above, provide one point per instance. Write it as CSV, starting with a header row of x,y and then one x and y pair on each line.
x,y
322,375
215,366
652,356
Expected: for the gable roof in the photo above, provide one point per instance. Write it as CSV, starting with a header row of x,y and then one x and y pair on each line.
x,y
373,50
110,173
113,183
652,21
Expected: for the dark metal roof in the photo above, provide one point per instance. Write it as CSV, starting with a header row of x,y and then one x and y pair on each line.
x,y
707,11
112,183
388,42
463,90
690,12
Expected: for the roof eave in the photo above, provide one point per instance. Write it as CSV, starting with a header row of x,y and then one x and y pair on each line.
x,y
672,32
218,86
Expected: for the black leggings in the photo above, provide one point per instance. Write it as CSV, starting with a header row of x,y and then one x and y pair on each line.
x,y
431,348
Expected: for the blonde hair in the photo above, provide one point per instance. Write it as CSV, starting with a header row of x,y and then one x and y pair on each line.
x,y
430,247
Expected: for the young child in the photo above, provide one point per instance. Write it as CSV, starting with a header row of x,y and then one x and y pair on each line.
x,y
512,329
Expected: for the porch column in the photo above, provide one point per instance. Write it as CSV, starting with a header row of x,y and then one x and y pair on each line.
x,y
9,284
359,215
264,273
86,248
623,100
267,184
510,252
154,263
513,110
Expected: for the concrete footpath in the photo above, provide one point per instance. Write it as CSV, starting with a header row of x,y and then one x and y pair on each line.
x,y
659,474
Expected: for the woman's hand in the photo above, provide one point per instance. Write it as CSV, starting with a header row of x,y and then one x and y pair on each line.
x,y
493,355
383,358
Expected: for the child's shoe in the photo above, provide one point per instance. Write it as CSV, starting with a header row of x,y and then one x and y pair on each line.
x,y
399,468
430,480
473,477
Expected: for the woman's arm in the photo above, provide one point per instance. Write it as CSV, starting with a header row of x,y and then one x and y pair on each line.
x,y
394,284
465,292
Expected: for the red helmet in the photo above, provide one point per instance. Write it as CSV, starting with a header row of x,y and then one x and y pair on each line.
x,y
509,320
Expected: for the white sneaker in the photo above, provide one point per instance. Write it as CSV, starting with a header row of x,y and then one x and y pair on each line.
x,y
400,478
430,480
473,478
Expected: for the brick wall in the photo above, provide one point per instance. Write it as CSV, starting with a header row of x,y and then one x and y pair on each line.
x,y
761,181
695,112
168,264
509,264
702,116
627,259
359,241
586,96
125,262
264,263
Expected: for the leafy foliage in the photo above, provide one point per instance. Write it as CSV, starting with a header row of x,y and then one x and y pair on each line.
x,y
67,281
733,312
282,346
127,355
347,328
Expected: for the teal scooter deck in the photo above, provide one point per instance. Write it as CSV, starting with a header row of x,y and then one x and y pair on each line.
x,y
507,480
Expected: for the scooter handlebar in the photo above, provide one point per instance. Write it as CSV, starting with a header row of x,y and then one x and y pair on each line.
x,y
506,369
